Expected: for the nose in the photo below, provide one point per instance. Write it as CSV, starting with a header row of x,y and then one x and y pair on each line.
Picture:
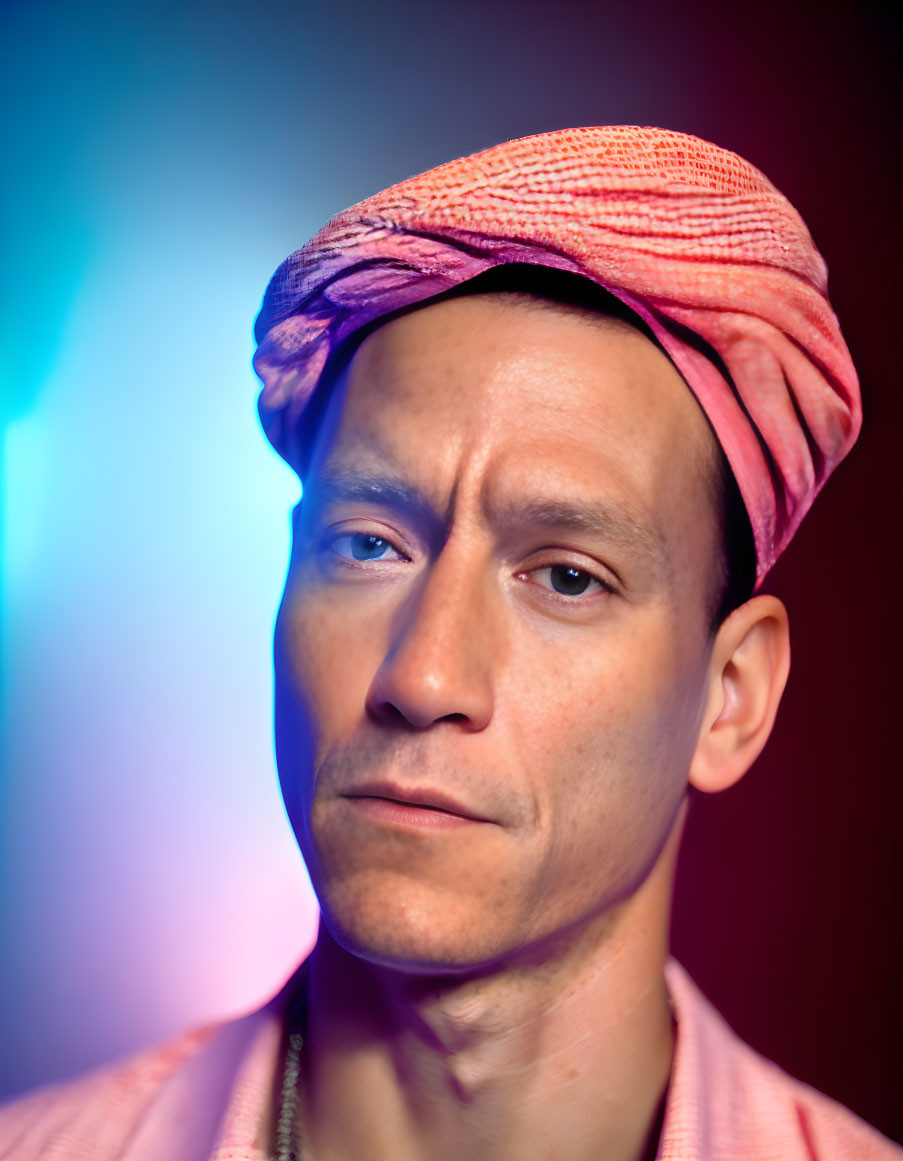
x,y
438,663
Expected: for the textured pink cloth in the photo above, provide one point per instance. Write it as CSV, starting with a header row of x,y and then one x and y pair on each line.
x,y
690,236
202,1098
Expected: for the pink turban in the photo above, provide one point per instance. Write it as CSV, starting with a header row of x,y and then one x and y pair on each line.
x,y
690,236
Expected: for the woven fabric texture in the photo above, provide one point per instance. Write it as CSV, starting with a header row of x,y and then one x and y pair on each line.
x,y
204,1097
690,236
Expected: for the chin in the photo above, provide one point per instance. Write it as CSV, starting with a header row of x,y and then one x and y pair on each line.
x,y
400,926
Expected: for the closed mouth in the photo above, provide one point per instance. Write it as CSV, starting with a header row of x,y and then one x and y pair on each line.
x,y
414,798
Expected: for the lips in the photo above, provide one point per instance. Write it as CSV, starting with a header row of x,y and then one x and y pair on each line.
x,y
415,798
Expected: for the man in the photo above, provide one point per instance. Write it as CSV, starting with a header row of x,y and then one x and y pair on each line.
x,y
556,408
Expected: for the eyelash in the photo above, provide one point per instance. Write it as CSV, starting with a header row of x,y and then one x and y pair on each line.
x,y
349,561
332,543
570,598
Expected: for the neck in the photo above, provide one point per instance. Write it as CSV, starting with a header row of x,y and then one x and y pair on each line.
x,y
564,1052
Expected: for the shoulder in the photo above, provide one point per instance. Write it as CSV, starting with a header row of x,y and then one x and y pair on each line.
x,y
169,1101
98,1110
728,1100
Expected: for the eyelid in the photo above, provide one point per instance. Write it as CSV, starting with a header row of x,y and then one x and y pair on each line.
x,y
602,586
600,576
548,558
338,532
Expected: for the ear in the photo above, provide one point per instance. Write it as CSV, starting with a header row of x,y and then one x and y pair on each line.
x,y
747,674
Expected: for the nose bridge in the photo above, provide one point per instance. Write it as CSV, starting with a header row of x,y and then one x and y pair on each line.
x,y
438,662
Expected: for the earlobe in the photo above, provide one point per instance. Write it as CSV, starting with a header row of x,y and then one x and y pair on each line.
x,y
747,674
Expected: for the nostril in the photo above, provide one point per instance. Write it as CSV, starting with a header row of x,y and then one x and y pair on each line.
x,y
388,714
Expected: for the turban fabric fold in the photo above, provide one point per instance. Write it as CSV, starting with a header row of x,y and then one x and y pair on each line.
x,y
691,237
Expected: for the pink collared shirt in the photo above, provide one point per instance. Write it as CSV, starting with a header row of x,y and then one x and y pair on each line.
x,y
202,1098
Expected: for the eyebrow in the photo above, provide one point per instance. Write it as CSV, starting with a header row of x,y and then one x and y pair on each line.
x,y
583,516
365,488
586,516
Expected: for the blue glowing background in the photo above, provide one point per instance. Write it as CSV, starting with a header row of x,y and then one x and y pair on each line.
x,y
160,160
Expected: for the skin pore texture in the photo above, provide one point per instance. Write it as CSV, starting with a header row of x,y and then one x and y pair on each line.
x,y
495,681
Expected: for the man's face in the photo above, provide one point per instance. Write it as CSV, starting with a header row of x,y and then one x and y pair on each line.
x,y
497,604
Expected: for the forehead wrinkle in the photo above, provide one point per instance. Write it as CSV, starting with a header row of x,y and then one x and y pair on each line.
x,y
363,462
342,481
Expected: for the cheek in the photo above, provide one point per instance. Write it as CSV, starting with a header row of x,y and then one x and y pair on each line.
x,y
321,676
608,747
324,660
609,704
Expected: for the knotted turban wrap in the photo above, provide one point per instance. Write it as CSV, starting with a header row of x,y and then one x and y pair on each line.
x,y
691,237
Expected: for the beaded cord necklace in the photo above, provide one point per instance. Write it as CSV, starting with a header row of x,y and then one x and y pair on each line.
x,y
289,1142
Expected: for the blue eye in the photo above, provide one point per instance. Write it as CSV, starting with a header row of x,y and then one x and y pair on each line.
x,y
364,546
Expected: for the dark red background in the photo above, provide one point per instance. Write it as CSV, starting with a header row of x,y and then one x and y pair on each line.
x,y
788,908
788,904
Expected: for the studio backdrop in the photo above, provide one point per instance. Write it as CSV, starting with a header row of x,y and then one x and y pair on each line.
x,y
160,160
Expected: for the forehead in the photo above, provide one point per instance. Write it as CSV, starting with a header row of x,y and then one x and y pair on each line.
x,y
510,397
501,349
